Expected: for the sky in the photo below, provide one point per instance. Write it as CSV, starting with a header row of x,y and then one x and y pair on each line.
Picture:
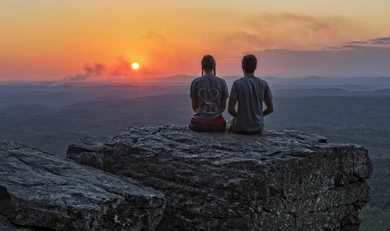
x,y
72,39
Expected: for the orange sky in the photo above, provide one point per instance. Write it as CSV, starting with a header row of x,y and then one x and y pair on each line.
x,y
44,39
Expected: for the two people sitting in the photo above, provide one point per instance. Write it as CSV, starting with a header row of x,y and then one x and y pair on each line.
x,y
248,97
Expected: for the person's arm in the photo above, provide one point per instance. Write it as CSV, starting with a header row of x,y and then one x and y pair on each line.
x,y
195,104
225,97
233,102
268,102
270,107
194,98
232,107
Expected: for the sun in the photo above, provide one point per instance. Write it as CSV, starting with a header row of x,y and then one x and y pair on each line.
x,y
135,66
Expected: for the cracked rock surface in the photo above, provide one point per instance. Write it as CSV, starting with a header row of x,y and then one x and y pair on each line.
x,y
39,192
286,180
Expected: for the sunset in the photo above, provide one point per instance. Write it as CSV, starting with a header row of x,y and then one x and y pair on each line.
x,y
135,66
195,115
53,39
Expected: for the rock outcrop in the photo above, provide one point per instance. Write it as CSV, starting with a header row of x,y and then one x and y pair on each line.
x,y
39,192
283,181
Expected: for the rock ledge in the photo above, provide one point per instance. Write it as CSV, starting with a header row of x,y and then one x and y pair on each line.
x,y
40,192
286,180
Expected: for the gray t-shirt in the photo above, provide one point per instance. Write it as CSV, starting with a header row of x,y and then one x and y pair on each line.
x,y
250,93
210,92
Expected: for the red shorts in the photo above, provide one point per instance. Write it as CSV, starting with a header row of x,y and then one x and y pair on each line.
x,y
206,123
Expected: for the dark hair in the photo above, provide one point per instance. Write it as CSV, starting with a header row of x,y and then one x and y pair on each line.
x,y
208,64
249,64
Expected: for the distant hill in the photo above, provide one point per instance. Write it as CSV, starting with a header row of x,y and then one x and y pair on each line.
x,y
311,92
382,92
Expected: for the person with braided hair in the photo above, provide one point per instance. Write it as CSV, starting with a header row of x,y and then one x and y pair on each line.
x,y
209,94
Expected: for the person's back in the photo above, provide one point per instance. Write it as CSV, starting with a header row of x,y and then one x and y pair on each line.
x,y
246,101
209,94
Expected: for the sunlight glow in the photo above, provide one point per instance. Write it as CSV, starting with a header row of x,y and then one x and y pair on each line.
x,y
135,66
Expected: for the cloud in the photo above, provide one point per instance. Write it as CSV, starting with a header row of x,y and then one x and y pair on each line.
x,y
381,41
121,69
375,42
90,71
356,43
154,36
98,71
346,60
295,31
346,46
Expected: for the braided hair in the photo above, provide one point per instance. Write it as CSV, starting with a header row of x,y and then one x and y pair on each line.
x,y
208,64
